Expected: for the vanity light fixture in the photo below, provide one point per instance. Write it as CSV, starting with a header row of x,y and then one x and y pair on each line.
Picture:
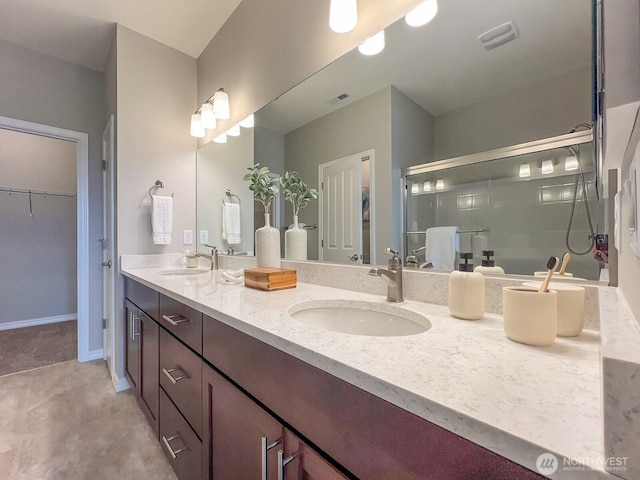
x,y
207,116
571,163
372,45
415,188
422,14
197,128
234,131
248,122
525,170
547,167
440,184
426,187
222,138
221,104
343,15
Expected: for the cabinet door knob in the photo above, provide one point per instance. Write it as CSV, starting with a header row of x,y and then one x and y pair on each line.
x,y
265,448
173,379
172,452
282,462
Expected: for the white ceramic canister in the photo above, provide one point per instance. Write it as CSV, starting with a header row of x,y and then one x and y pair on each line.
x,y
530,317
570,307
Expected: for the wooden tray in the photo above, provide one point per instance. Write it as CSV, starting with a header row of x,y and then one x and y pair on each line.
x,y
270,279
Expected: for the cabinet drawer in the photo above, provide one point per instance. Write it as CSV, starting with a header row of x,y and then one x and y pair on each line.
x,y
181,378
184,322
144,297
180,443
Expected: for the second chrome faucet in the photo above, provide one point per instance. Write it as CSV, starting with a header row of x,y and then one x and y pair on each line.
x,y
392,275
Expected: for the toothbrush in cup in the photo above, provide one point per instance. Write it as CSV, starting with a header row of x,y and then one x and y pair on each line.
x,y
552,264
565,262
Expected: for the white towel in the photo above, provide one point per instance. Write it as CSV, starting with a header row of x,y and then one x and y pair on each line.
x,y
161,219
442,245
231,225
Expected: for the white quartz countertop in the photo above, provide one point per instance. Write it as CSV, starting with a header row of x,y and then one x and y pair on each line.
x,y
466,376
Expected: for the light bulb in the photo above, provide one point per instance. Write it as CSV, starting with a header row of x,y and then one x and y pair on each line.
x,y
221,104
547,167
222,138
571,163
197,129
415,188
234,131
439,184
372,45
422,14
207,116
426,187
525,170
248,122
343,15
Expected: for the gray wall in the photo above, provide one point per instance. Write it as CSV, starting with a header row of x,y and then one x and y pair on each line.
x,y
37,282
541,110
37,88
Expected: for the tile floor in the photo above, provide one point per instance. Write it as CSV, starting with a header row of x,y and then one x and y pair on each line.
x,y
65,422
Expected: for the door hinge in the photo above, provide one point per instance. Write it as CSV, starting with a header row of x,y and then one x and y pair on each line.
x,y
104,165
104,323
322,186
322,243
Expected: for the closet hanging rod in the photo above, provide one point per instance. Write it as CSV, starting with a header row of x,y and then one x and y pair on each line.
x,y
25,191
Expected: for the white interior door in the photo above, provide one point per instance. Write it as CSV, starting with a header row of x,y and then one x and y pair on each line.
x,y
108,270
341,210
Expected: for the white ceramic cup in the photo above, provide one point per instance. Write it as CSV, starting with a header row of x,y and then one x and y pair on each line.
x,y
530,317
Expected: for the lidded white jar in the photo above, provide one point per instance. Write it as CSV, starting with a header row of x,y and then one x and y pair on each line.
x,y
466,291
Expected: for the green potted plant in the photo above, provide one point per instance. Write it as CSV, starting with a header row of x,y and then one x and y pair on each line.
x,y
299,194
267,238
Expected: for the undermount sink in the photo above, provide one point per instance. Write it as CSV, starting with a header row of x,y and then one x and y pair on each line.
x,y
183,271
360,318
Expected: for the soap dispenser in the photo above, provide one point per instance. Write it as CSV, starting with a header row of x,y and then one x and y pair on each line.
x,y
488,266
466,291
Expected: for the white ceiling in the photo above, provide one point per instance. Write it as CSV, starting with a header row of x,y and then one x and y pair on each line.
x,y
442,66
80,31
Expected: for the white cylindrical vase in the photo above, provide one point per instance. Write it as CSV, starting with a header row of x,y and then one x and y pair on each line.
x,y
295,242
267,245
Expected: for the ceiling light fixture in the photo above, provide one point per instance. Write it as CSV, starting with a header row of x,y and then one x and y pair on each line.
x,y
197,129
525,170
422,14
571,163
440,184
234,131
343,15
248,122
415,188
207,116
547,167
372,45
221,104
426,187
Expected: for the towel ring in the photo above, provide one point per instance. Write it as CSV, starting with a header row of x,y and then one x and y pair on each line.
x,y
158,184
230,194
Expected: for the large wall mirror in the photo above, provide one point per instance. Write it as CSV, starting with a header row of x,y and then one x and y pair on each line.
x,y
434,92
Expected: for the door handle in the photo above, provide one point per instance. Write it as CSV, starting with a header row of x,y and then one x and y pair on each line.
x,y
107,264
354,257
265,448
282,462
172,452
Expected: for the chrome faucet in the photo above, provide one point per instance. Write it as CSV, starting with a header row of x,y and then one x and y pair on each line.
x,y
213,258
392,275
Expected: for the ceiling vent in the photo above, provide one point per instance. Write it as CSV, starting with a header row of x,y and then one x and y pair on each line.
x,y
499,35
342,96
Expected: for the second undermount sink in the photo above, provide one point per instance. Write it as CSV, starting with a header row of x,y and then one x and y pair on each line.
x,y
360,318
183,271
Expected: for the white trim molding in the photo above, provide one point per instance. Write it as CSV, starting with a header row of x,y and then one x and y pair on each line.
x,y
82,141
119,384
32,322
95,355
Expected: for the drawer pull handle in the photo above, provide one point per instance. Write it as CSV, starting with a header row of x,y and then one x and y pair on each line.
x,y
173,379
172,452
265,448
282,462
133,318
175,320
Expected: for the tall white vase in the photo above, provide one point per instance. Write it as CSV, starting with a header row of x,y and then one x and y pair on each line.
x,y
295,242
268,245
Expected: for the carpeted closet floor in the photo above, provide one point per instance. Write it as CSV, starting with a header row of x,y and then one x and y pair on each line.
x,y
32,347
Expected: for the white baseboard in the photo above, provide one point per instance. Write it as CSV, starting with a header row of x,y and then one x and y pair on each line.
x,y
94,355
119,384
38,321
